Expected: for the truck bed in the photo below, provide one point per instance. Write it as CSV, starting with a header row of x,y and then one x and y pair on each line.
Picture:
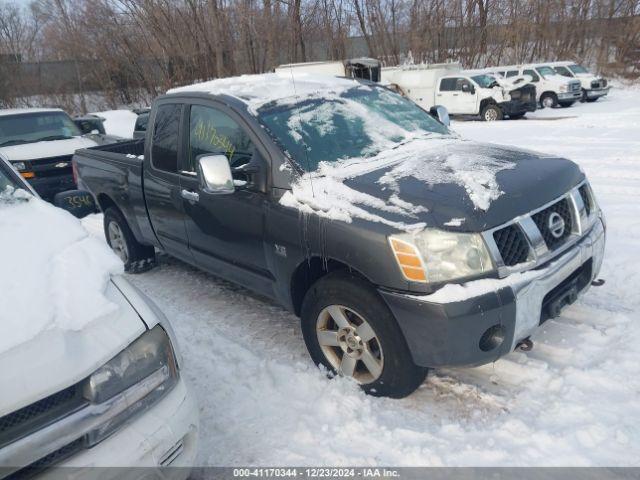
x,y
113,174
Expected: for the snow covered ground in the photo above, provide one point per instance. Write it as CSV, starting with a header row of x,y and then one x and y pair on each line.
x,y
573,400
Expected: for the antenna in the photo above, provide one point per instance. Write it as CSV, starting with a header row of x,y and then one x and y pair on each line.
x,y
306,154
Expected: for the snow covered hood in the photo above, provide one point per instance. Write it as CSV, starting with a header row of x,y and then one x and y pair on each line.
x,y
431,182
54,148
61,317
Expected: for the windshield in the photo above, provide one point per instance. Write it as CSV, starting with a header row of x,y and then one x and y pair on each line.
x,y
360,122
36,127
546,71
578,69
485,81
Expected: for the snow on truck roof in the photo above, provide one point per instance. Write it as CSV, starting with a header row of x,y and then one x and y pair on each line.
x,y
22,111
259,90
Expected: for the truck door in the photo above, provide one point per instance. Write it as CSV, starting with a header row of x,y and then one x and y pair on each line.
x,y
226,231
162,182
451,95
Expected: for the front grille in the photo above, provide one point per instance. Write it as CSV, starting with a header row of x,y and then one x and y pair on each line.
x,y
36,468
512,245
575,86
52,167
595,84
542,219
38,415
586,199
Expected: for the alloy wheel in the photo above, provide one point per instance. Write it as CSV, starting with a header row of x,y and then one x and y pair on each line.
x,y
349,344
117,241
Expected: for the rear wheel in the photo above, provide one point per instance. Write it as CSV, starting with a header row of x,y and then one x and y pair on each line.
x,y
137,258
549,100
350,330
491,113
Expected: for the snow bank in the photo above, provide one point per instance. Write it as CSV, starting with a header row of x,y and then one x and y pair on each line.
x,y
118,122
53,273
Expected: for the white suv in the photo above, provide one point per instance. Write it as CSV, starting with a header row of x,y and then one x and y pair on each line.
x,y
552,89
593,86
90,373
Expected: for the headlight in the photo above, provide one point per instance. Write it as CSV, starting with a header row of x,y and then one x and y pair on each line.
x,y
564,88
434,256
19,166
146,370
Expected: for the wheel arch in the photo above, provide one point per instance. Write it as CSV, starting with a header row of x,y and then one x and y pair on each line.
x,y
312,269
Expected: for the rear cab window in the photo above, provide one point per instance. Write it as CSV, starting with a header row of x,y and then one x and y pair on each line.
x,y
166,132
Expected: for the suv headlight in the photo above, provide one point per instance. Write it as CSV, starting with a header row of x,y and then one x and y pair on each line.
x,y
435,256
564,88
146,370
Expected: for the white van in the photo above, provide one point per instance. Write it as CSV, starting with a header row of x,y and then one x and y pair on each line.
x,y
593,86
552,89
462,92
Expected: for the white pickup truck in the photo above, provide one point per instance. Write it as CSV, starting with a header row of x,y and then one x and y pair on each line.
x,y
593,86
90,373
462,92
552,89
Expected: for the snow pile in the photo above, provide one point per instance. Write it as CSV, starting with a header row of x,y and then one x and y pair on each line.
x,y
118,122
53,273
259,90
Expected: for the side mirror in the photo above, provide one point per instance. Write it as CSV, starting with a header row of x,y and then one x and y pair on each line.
x,y
77,202
441,114
215,173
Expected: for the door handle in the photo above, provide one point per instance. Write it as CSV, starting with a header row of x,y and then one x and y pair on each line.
x,y
191,196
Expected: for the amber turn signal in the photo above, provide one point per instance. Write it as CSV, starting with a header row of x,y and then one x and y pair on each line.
x,y
409,260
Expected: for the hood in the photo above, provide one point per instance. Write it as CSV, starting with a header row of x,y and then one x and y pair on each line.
x,y
586,76
57,359
53,148
61,315
434,182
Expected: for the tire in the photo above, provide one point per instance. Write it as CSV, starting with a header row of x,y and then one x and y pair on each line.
x,y
566,104
584,97
591,100
137,258
549,100
491,113
355,303
517,116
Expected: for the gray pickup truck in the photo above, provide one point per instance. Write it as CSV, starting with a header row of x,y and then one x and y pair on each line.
x,y
400,245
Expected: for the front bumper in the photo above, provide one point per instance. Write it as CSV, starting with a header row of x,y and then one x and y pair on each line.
x,y
450,333
601,92
517,107
569,96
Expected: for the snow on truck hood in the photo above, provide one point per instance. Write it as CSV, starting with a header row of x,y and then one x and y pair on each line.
x,y
60,316
54,148
431,182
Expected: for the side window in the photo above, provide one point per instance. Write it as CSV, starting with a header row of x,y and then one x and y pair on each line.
x,y
564,71
141,122
532,74
164,147
448,84
214,132
460,82
512,73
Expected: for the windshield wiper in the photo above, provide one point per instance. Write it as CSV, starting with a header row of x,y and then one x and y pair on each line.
x,y
53,137
15,141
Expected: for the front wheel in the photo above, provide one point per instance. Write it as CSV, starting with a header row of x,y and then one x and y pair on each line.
x,y
491,113
566,104
549,100
350,330
137,258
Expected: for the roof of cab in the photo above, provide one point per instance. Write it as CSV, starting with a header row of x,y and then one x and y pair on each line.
x,y
258,90
23,111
